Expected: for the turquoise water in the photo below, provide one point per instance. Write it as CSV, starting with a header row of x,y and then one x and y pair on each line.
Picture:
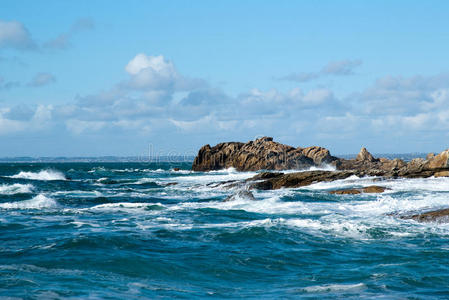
x,y
118,230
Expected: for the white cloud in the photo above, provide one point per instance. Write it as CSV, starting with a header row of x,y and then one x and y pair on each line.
x,y
158,73
156,63
318,96
151,102
13,34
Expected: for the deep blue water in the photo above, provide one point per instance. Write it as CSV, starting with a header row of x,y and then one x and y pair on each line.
x,y
119,231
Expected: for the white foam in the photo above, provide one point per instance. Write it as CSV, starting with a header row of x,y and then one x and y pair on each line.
x,y
79,193
124,206
16,188
41,175
334,287
38,202
324,167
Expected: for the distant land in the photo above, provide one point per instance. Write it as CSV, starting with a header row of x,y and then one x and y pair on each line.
x,y
27,159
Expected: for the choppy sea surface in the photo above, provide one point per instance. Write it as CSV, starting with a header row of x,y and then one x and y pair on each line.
x,y
127,231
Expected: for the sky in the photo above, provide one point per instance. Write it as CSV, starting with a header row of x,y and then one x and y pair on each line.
x,y
95,78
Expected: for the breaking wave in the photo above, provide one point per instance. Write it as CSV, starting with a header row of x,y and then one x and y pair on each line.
x,y
41,175
38,202
16,188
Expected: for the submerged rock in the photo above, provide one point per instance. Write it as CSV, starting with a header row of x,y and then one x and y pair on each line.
x,y
367,189
441,215
241,194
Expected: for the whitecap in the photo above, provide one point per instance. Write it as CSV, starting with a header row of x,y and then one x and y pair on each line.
x,y
17,188
334,287
41,175
38,202
124,206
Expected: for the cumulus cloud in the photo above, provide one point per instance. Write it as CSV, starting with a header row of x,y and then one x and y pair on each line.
x,y
14,35
42,79
155,101
403,95
157,73
334,68
22,118
63,40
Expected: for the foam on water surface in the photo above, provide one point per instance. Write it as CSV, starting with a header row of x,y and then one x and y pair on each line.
x,y
38,202
182,230
16,188
41,175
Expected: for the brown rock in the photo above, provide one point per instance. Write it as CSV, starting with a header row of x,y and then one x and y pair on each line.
x,y
368,189
441,174
439,161
441,215
374,189
298,179
346,192
176,169
261,154
319,155
364,155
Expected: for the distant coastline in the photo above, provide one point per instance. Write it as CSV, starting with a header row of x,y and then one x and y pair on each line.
x,y
89,159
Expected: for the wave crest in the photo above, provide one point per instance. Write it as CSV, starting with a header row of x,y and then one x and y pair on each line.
x,y
38,202
41,175
16,188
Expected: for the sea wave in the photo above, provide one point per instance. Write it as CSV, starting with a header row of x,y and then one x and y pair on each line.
x,y
38,202
41,175
16,188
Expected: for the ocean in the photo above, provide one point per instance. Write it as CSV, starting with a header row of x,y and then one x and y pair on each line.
x,y
138,230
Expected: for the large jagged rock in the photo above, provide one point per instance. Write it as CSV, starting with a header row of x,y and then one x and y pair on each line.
x,y
439,161
261,154
265,154
365,156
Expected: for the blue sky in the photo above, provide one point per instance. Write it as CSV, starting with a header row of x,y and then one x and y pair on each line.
x,y
111,78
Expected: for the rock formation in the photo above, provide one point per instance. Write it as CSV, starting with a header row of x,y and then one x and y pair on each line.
x,y
441,215
265,154
273,181
368,189
261,154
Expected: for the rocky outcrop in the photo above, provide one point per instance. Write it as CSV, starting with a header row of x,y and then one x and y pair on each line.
x,y
265,154
273,181
242,194
364,165
261,154
441,215
368,189
365,156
